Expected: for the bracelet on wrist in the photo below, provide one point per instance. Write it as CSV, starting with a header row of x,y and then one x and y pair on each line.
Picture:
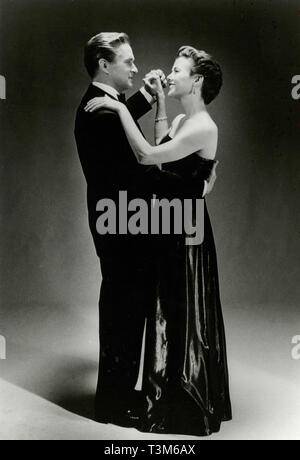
x,y
160,119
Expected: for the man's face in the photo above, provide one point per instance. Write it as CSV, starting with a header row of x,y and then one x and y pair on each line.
x,y
123,69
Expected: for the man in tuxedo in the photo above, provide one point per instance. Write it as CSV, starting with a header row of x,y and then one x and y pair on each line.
x,y
127,261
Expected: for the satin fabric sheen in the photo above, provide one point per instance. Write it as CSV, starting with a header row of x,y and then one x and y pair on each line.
x,y
185,371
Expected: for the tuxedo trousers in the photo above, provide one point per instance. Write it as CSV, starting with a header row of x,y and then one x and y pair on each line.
x,y
127,294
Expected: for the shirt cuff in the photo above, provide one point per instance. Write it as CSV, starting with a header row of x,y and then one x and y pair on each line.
x,y
205,189
147,96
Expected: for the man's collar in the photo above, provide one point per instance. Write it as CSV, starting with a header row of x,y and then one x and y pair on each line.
x,y
107,88
115,94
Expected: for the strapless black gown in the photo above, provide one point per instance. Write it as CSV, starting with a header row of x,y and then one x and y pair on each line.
x,y
185,370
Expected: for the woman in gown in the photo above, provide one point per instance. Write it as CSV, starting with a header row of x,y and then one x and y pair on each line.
x,y
185,371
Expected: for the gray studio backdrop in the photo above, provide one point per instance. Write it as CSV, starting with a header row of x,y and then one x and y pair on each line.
x,y
47,256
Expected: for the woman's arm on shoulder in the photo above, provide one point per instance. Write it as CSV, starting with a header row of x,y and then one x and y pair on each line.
x,y
191,138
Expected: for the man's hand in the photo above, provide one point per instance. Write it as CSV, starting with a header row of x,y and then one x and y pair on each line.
x,y
154,82
212,179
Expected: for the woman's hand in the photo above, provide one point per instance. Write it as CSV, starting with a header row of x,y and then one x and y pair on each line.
x,y
154,82
105,102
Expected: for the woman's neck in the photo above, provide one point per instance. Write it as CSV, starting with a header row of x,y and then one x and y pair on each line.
x,y
192,105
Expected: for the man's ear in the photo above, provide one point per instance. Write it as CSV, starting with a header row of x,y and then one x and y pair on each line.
x,y
103,65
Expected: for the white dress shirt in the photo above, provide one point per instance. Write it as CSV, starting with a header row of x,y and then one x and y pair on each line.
x,y
115,94
107,89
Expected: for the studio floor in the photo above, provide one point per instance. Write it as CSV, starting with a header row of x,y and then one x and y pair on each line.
x,y
48,379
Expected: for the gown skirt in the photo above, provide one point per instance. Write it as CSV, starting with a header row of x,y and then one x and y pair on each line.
x,y
185,380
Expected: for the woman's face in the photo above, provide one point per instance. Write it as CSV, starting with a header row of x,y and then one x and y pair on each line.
x,y
180,79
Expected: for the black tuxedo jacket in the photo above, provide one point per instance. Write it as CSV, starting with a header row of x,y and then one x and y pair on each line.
x,y
109,166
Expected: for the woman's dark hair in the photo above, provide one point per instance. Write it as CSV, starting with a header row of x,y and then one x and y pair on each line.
x,y
102,46
205,65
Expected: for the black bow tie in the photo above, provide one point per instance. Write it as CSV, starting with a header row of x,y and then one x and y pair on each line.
x,y
122,98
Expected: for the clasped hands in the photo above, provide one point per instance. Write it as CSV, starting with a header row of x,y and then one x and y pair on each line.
x,y
154,82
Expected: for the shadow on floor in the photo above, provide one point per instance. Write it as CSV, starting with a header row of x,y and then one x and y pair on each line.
x,y
68,382
74,388
79,404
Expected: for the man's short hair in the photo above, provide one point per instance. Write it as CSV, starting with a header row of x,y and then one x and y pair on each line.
x,y
102,46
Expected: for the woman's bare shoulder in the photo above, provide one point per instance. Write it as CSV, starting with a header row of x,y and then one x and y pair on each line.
x,y
203,128
204,123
